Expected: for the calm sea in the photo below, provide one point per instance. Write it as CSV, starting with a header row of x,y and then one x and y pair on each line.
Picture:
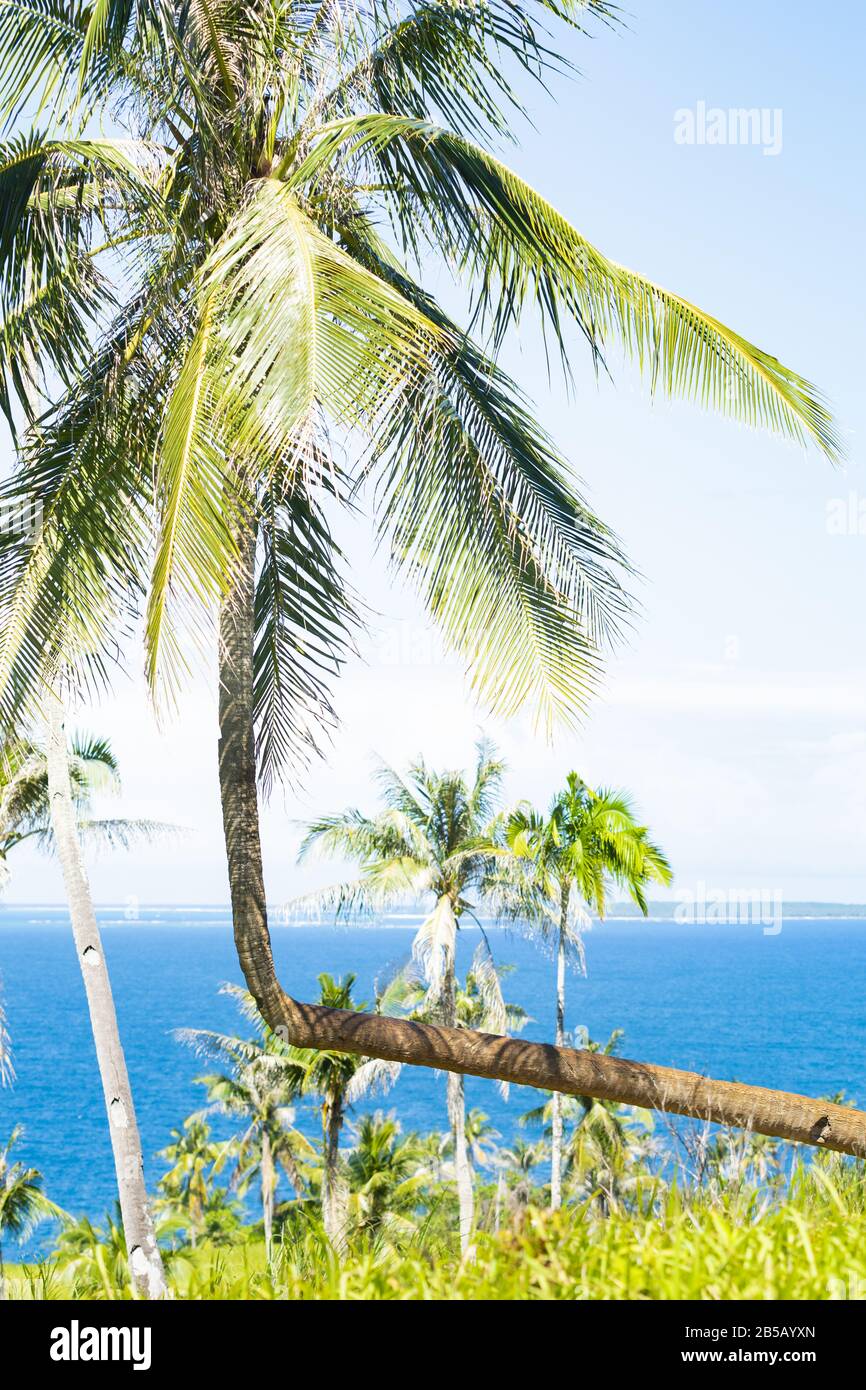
x,y
786,1011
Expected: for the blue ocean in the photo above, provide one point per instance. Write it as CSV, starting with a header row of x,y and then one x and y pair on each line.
x,y
786,1010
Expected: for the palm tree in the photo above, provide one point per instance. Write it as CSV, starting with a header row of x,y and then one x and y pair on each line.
x,y
270,1073
608,1145
430,841
46,795
479,1005
22,1201
195,1159
340,1079
232,250
520,1162
96,1256
7,1070
262,1081
560,865
386,1176
25,805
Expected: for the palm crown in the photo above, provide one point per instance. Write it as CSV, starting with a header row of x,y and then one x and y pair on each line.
x,y
241,253
25,811
588,840
432,839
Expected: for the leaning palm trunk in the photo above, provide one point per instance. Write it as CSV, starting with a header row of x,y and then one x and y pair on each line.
x,y
462,1050
456,1102
145,1262
556,1106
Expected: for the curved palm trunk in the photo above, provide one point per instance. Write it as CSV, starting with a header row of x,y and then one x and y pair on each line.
x,y
145,1262
556,1107
462,1050
456,1103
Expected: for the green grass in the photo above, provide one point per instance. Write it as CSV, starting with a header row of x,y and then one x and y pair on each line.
x,y
810,1246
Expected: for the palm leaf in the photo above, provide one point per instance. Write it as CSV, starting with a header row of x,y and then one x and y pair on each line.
x,y
304,618
517,247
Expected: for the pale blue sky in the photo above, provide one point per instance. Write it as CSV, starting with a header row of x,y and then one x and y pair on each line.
x,y
737,713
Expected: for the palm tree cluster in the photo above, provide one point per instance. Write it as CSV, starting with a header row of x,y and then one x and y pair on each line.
x,y
443,836
217,338
221,302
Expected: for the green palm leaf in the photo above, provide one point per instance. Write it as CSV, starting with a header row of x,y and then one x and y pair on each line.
x,y
517,248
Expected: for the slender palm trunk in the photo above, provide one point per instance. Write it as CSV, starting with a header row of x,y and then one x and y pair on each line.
x,y
268,1184
334,1213
145,1261
556,1107
456,1102
497,1208
2,1277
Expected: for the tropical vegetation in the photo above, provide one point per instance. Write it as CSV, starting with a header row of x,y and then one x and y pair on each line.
x,y
217,334
221,302
560,866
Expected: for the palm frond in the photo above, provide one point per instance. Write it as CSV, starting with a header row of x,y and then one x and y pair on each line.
x,y
517,249
302,327
197,503
304,618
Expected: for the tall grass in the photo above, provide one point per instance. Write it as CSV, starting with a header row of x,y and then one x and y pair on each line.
x,y
806,1242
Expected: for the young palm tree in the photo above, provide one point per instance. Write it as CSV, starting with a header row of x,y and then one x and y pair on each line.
x,y
195,1160
340,1079
262,1081
386,1175
430,841
46,795
233,250
96,1259
559,866
478,1004
22,1201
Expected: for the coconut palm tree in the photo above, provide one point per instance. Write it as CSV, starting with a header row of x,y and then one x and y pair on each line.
x,y
246,254
22,1202
96,1257
195,1159
608,1145
340,1079
386,1176
479,1005
520,1162
559,866
7,1070
267,1075
46,795
262,1081
429,841
25,807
